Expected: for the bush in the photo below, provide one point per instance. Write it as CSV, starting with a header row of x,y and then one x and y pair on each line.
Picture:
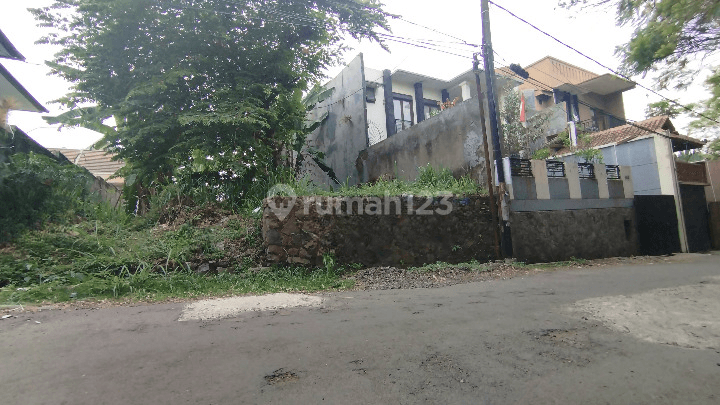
x,y
35,189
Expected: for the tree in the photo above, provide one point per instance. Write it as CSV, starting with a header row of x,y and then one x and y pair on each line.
x,y
667,108
205,92
520,138
673,38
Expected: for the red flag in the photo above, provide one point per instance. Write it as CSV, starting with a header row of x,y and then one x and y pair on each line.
x,y
522,107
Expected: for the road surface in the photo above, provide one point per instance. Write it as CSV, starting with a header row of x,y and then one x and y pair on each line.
x,y
643,334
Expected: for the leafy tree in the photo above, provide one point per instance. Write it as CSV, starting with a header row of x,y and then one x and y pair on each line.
x,y
664,107
203,92
673,38
521,138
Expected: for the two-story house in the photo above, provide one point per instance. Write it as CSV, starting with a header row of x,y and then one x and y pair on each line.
x,y
382,123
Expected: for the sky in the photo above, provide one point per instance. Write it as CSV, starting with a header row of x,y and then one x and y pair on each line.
x,y
591,31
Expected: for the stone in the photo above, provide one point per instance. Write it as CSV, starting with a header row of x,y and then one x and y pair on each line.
x,y
273,237
204,268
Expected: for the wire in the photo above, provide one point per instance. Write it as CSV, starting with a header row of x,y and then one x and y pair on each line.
x,y
601,64
600,110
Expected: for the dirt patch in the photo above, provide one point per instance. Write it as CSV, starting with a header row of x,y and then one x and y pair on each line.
x,y
281,376
233,306
390,278
685,316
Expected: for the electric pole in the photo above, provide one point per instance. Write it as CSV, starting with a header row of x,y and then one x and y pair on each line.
x,y
488,163
489,66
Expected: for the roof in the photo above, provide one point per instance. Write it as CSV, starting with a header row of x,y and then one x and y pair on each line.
x,y
15,94
7,49
99,162
651,126
568,77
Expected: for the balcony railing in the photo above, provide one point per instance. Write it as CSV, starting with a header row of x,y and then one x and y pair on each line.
x,y
691,172
586,170
520,167
555,168
613,172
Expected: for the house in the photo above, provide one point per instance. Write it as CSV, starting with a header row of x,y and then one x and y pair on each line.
x,y
382,123
573,94
13,96
98,162
649,148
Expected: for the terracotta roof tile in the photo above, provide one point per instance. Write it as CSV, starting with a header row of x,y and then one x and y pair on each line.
x,y
98,162
628,132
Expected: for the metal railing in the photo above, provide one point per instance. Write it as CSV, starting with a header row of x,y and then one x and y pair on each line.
x,y
520,167
555,168
613,172
586,170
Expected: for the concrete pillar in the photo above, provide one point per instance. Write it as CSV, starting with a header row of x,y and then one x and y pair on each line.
x,y
465,89
601,177
572,173
542,186
626,177
389,107
419,103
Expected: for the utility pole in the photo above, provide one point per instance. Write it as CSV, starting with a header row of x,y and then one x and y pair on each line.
x,y
489,66
488,163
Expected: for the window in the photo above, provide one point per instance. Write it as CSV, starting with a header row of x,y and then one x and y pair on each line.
x,y
431,108
370,94
403,111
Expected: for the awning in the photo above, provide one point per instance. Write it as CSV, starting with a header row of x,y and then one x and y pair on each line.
x,y
15,94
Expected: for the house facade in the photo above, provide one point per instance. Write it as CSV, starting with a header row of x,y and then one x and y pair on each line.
x,y
573,94
648,148
382,123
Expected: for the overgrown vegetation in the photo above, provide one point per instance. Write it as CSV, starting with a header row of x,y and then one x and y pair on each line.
x,y
206,93
430,182
35,190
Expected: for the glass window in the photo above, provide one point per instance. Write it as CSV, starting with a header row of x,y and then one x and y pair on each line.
x,y
403,113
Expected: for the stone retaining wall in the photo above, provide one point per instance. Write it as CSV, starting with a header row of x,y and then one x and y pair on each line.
x,y
547,236
398,231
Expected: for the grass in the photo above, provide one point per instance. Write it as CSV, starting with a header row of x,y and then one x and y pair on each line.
x,y
430,182
101,260
551,265
148,286
469,266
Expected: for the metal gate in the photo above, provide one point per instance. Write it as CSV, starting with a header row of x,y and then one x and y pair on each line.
x,y
697,218
657,224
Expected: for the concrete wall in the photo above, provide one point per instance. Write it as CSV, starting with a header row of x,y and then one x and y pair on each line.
x,y
546,236
558,218
451,139
343,134
714,208
378,230
712,192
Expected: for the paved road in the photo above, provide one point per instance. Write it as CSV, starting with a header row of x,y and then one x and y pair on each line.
x,y
498,342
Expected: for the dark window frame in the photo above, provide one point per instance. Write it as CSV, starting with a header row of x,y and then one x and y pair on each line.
x,y
407,99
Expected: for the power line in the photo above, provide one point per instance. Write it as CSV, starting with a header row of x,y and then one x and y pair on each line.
x,y
601,64
600,110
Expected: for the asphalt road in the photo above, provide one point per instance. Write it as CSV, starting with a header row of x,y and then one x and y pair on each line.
x,y
521,341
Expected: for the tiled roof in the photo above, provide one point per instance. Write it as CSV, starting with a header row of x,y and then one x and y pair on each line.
x,y
626,133
98,162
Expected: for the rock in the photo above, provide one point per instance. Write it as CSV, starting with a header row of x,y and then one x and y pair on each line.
x,y
204,268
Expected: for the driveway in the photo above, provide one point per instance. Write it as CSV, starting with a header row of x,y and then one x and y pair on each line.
x,y
634,334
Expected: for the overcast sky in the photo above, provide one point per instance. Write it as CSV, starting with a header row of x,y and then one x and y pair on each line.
x,y
592,32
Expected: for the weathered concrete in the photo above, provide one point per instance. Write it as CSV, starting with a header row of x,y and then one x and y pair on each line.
x,y
398,231
451,139
546,236
343,134
714,208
